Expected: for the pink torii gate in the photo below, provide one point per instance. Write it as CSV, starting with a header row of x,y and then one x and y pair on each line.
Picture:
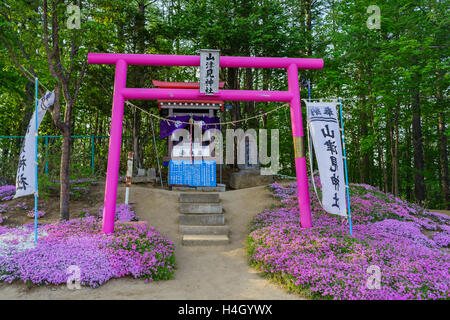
x,y
121,92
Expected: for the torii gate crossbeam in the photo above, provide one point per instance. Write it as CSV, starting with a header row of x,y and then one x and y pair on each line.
x,y
121,93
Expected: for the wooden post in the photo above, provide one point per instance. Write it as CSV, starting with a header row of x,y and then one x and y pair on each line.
x,y
128,176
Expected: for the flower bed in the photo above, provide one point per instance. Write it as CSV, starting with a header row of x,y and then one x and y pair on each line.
x,y
132,250
7,192
78,187
124,213
325,262
40,213
3,211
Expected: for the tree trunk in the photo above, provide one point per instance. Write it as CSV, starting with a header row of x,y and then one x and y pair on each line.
x,y
136,146
96,124
443,161
64,80
365,166
382,165
142,35
250,105
408,164
308,28
390,155
395,153
419,181
64,175
233,83
356,172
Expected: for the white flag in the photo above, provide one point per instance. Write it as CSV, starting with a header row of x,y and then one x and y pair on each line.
x,y
326,138
25,179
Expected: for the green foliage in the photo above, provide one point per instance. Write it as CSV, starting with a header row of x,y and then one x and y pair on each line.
x,y
80,181
47,186
83,213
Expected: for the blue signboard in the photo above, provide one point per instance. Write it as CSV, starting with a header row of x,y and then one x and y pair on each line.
x,y
199,173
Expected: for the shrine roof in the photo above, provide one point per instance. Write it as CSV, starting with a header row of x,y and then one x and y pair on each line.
x,y
185,85
180,85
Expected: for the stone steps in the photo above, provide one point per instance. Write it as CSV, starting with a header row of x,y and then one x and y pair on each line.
x,y
200,208
199,198
194,229
202,221
205,239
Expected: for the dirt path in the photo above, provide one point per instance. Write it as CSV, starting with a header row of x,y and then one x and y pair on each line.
x,y
219,272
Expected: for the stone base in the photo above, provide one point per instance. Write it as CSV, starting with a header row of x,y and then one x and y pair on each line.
x,y
218,188
143,179
249,178
139,179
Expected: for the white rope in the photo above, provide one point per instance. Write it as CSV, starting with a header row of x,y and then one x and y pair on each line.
x,y
33,76
336,99
217,123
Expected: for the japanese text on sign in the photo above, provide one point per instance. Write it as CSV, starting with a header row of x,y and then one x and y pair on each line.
x,y
209,71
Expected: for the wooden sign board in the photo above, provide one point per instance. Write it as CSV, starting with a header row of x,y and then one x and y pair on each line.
x,y
209,71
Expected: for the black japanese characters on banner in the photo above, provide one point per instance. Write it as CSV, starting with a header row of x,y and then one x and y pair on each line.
x,y
25,178
326,138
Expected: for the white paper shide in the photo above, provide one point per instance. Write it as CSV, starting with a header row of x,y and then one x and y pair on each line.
x,y
325,134
25,178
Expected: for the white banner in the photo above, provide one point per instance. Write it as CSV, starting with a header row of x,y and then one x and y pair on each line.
x,y
25,179
326,137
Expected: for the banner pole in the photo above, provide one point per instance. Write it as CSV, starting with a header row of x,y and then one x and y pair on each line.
x,y
345,169
36,162
309,89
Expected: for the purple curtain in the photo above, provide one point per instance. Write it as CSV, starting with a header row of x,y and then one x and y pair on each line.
x,y
167,127
208,122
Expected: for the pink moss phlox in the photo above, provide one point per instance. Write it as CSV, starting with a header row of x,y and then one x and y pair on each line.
x,y
7,192
124,212
331,264
132,250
